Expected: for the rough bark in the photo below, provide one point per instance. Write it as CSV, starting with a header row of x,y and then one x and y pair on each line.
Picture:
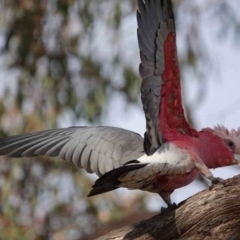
x,y
207,215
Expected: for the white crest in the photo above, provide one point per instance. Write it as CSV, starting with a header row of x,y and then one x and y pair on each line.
x,y
232,134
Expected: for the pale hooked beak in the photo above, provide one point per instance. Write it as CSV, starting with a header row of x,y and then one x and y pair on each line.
x,y
236,159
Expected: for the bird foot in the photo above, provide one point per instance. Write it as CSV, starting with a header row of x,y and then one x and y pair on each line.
x,y
170,207
216,180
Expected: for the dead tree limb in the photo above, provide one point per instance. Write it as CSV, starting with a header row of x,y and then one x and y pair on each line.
x,y
207,215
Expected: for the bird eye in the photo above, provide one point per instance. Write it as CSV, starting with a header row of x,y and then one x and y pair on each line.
x,y
230,144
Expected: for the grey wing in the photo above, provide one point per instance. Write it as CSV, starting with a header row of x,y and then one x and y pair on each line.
x,y
96,149
155,22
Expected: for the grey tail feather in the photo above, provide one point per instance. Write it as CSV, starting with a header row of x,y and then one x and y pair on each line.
x,y
109,181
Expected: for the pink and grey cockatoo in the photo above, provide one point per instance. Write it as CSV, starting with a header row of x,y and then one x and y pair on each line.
x,y
171,153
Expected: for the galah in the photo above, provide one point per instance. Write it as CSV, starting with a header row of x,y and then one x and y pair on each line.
x,y
171,154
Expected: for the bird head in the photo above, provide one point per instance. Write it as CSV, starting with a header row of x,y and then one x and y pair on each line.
x,y
219,146
231,139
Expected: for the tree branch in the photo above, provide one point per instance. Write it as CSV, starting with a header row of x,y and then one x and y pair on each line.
x,y
207,215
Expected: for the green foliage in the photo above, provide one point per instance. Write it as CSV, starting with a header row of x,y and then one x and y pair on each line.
x,y
132,85
52,46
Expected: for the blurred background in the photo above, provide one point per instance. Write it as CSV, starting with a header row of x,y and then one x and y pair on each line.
x,y
75,62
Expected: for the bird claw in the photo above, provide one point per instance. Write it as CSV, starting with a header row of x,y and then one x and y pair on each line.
x,y
216,180
169,207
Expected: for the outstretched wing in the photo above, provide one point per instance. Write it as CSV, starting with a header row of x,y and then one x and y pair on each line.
x,y
159,70
96,149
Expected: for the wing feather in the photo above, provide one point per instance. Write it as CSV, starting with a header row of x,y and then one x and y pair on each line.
x,y
53,149
155,22
76,158
96,149
101,166
159,70
94,161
